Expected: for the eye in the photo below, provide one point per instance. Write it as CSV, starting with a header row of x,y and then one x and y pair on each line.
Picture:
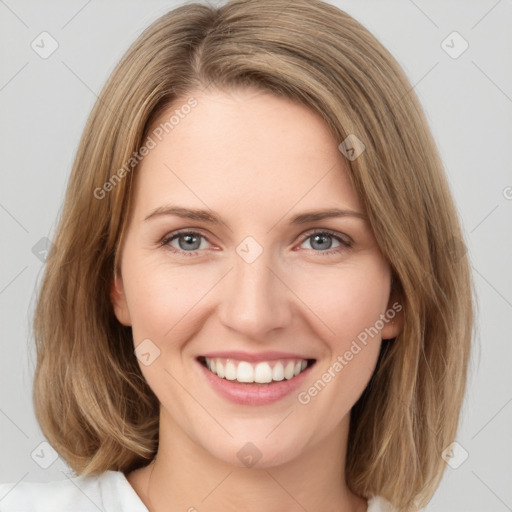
x,y
322,242
187,242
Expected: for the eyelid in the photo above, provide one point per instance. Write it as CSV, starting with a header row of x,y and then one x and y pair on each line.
x,y
166,239
343,237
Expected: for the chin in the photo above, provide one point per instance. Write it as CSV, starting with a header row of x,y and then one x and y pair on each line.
x,y
258,453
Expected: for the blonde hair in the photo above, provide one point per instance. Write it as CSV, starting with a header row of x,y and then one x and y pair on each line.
x,y
90,397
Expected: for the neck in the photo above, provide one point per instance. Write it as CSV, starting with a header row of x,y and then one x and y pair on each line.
x,y
185,477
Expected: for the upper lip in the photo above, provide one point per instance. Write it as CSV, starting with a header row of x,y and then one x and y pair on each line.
x,y
268,355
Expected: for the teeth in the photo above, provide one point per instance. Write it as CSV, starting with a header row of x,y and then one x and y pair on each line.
x,y
220,369
278,372
244,372
230,371
288,371
261,373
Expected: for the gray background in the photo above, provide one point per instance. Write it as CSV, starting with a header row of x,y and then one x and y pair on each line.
x,y
44,104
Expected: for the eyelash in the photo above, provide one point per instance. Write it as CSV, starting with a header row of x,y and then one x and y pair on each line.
x,y
344,244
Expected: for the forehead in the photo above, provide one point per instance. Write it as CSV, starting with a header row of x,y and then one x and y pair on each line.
x,y
244,148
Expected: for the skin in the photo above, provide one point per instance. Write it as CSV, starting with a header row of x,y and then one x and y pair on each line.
x,y
256,160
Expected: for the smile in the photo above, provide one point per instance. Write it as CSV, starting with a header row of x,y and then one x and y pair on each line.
x,y
263,372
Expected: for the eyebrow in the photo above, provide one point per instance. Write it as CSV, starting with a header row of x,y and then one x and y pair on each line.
x,y
212,218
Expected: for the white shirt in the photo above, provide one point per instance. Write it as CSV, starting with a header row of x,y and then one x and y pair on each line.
x,y
109,492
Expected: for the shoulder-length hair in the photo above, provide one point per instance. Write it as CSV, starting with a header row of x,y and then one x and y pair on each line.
x,y
90,397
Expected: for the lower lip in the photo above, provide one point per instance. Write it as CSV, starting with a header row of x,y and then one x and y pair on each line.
x,y
253,394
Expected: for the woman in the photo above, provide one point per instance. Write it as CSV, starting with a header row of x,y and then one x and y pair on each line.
x,y
253,301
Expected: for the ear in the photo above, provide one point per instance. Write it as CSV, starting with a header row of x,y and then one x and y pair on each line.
x,y
118,300
394,317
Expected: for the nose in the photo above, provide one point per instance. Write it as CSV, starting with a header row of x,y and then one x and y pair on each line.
x,y
255,300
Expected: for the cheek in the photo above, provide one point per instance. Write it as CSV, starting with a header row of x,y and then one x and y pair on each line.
x,y
164,302
162,297
350,302
346,300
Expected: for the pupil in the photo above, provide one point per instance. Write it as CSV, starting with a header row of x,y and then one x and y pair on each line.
x,y
189,241
321,246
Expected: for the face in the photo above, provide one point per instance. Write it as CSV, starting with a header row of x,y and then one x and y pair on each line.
x,y
252,287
